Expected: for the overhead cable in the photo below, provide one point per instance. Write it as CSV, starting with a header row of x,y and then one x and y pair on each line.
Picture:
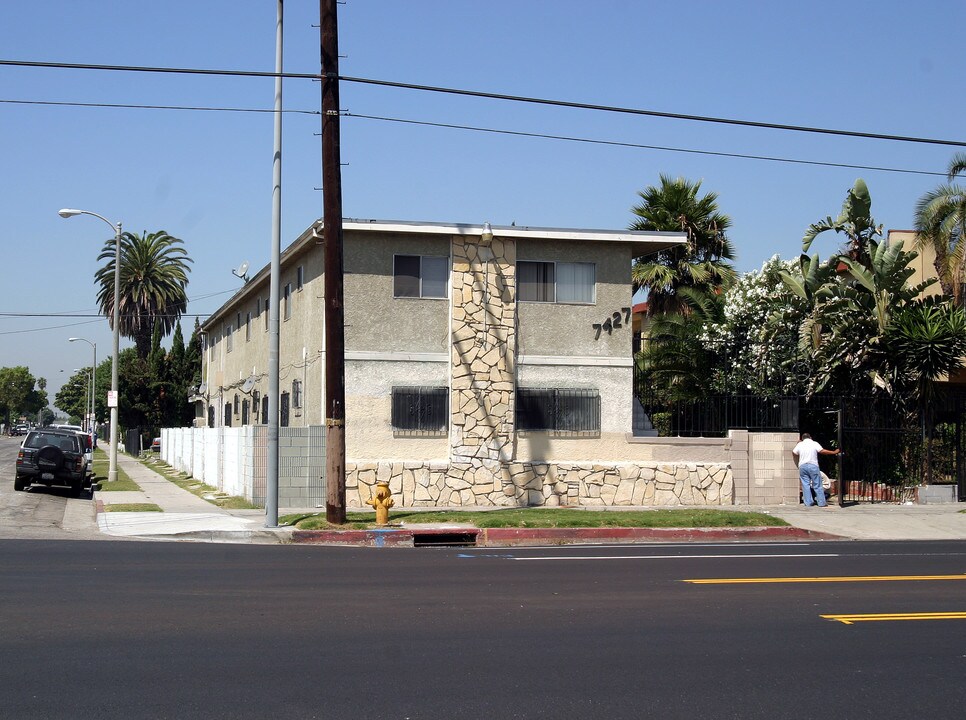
x,y
492,96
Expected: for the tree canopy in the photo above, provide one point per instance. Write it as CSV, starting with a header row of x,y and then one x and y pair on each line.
x,y
153,282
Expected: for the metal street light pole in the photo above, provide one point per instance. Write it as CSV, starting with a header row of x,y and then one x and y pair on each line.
x,y
90,426
69,212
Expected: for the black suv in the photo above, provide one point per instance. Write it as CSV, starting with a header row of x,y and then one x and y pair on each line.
x,y
51,457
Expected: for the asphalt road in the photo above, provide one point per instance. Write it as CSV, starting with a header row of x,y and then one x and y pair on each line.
x,y
41,512
178,630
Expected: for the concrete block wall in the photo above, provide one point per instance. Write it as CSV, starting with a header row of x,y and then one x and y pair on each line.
x,y
764,469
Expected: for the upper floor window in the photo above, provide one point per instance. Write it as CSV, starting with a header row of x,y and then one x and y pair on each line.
x,y
228,339
287,300
248,327
267,314
296,393
420,276
299,278
557,282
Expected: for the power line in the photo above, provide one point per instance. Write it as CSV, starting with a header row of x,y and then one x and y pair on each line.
x,y
494,96
618,143
94,313
52,327
498,131
155,107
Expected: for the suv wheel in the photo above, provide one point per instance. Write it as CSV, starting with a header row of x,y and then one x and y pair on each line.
x,y
19,483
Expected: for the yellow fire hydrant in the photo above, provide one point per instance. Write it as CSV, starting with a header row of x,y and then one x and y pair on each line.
x,y
381,501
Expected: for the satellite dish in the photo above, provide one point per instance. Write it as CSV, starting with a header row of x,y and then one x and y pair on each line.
x,y
241,271
249,384
203,388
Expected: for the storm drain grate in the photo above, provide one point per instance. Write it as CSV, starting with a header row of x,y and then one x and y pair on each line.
x,y
445,539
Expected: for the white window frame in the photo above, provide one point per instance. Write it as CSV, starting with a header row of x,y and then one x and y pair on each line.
x,y
299,278
421,257
555,301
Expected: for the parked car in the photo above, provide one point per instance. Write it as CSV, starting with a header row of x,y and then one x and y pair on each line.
x,y
156,445
52,458
87,442
19,429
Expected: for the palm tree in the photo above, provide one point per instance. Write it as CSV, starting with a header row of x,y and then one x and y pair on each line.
x,y
674,361
941,223
700,263
154,274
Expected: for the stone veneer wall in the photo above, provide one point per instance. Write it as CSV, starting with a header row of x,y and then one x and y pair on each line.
x,y
441,483
483,350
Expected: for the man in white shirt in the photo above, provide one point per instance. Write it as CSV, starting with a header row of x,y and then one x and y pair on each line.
x,y
806,453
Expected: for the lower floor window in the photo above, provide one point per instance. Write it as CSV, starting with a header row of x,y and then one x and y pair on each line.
x,y
561,411
420,411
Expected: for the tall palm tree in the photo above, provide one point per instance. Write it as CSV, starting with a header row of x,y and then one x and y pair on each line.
x,y
701,263
941,223
154,275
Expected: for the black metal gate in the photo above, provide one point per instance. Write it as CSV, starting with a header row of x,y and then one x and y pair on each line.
x,y
887,451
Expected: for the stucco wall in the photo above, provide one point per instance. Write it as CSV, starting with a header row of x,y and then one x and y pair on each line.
x,y
300,343
369,433
567,329
374,319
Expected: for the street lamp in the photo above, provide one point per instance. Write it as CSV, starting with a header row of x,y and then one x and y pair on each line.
x,y
67,213
90,426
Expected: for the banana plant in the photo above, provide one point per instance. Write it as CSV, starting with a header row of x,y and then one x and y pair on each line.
x,y
855,221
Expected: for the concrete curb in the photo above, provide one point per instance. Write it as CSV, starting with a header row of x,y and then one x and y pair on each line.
x,y
503,537
251,537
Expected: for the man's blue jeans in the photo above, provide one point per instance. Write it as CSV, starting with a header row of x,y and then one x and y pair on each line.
x,y
811,481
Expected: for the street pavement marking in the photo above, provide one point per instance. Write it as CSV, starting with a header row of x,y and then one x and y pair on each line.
x,y
893,617
672,557
859,578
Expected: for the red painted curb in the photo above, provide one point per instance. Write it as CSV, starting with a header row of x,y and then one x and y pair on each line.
x,y
551,536
496,537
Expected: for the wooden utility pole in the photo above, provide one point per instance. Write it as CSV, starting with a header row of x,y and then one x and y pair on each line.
x,y
332,238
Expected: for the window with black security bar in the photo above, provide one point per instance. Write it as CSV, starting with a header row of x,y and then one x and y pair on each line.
x,y
563,412
420,411
264,409
227,414
244,413
283,410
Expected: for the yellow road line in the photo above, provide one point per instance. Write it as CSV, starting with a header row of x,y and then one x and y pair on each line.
x,y
828,579
850,619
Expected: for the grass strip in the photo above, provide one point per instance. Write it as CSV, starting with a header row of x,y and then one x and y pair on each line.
x,y
551,518
195,487
102,465
132,507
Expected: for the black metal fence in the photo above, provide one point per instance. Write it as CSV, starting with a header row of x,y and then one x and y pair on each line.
x,y
888,449
713,416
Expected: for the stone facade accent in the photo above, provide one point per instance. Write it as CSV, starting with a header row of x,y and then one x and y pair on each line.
x,y
514,484
483,351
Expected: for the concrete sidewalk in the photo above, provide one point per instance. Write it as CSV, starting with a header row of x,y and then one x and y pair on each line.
x,y
188,517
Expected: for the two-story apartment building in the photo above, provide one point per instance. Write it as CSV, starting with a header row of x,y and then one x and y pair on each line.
x,y
484,366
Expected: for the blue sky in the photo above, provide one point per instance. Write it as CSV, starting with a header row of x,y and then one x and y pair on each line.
x,y
885,67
